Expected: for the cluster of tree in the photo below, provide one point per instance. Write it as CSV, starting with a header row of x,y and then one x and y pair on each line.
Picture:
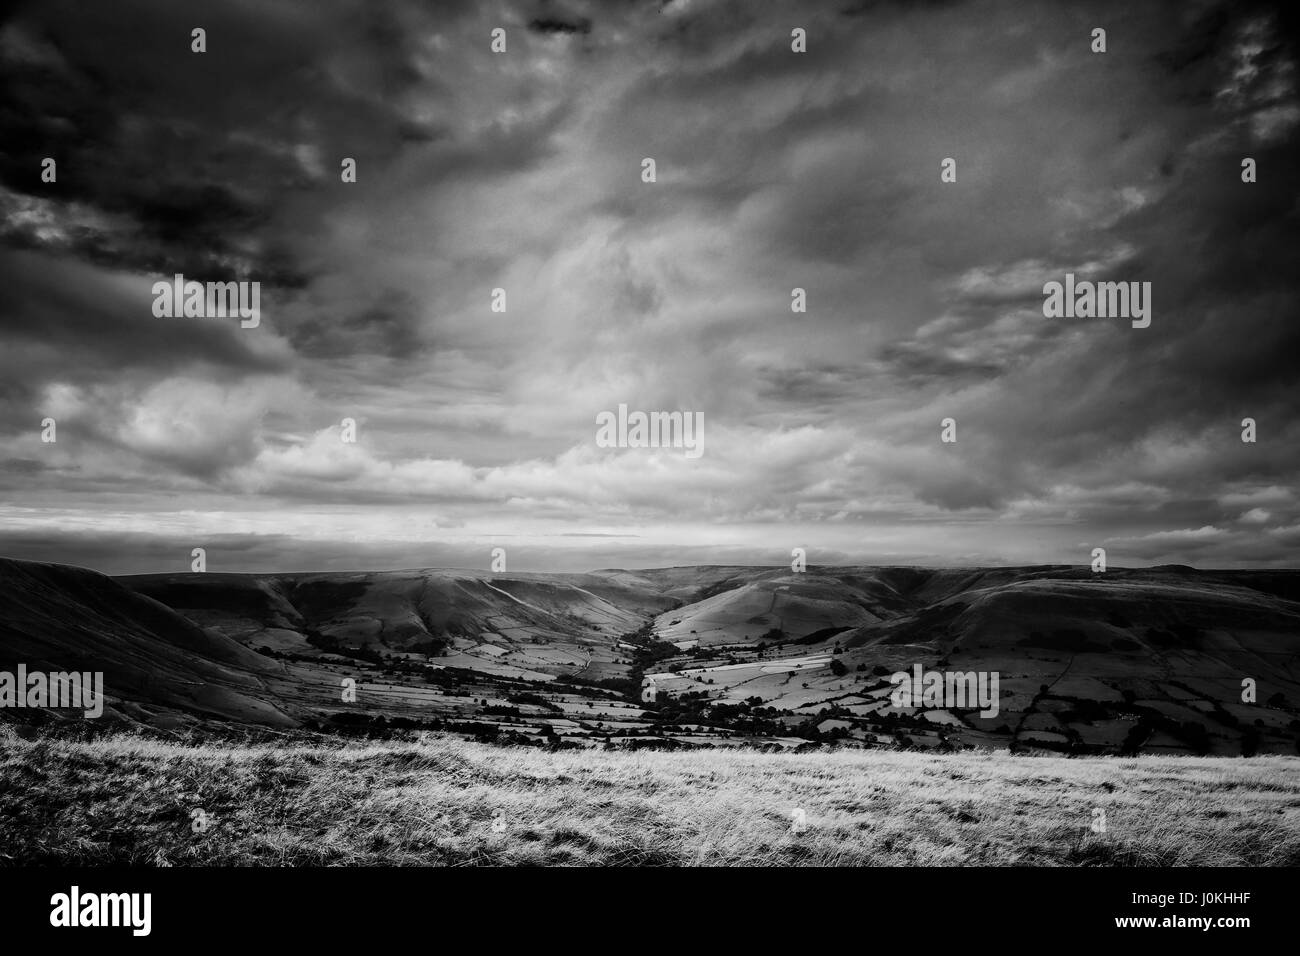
x,y
592,686
648,651
372,726
327,642
537,700
1189,732
499,710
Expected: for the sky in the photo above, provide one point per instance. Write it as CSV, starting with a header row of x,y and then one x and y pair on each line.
x,y
522,170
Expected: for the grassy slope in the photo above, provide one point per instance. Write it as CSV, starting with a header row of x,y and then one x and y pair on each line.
x,y
129,799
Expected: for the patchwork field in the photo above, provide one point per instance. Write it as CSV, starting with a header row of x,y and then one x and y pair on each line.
x,y
1157,661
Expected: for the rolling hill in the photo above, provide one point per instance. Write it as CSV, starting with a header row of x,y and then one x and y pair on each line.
x,y
1134,660
58,618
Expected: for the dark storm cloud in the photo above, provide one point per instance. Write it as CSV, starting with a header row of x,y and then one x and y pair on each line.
x,y
88,319
23,467
825,386
556,25
197,166
388,327
775,170
912,364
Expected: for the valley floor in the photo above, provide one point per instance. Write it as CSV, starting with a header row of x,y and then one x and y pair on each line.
x,y
440,800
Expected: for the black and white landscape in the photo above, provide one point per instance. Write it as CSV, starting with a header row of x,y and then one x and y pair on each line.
x,y
1144,661
685,432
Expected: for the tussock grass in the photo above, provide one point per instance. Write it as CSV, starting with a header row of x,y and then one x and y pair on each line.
x,y
433,801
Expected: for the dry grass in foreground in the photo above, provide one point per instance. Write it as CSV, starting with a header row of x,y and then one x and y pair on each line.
x,y
443,801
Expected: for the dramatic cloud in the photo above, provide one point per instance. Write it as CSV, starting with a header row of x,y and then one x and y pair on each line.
x,y
522,171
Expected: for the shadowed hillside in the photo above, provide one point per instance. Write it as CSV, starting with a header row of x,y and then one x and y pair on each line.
x,y
1130,661
63,618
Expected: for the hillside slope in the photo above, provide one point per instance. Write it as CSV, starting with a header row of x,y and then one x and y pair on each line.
x,y
1154,660
58,618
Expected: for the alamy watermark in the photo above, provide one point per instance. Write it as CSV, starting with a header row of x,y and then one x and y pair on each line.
x,y
626,429
75,908
68,690
964,689
208,300
1102,300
